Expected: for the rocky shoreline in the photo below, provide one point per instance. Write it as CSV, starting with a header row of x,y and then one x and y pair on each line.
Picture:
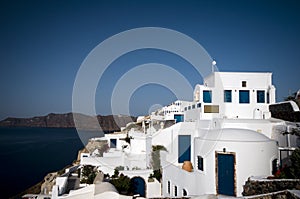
x,y
108,123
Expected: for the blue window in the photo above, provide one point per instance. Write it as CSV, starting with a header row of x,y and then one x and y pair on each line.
x,y
244,97
184,148
178,118
260,96
113,143
227,96
199,105
207,95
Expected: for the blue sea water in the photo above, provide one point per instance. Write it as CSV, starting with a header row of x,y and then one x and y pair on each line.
x,y
28,154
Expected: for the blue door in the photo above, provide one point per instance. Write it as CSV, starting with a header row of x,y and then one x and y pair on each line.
x,y
178,118
138,185
184,148
226,174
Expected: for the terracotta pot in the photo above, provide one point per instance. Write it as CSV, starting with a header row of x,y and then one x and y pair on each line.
x,y
187,165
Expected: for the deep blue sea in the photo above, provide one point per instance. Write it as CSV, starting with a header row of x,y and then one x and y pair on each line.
x,y
28,154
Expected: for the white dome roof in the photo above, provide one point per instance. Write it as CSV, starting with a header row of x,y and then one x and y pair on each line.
x,y
234,135
104,187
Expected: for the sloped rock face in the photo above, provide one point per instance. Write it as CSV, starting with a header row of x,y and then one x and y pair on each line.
x,y
285,111
49,182
108,123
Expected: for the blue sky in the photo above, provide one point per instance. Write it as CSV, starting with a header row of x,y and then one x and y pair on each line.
x,y
43,44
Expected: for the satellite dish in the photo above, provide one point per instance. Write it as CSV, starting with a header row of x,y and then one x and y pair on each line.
x,y
214,63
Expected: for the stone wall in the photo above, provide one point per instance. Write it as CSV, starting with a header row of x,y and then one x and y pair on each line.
x,y
264,186
276,195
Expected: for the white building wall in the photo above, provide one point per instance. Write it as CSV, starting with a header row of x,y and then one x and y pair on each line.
x,y
112,152
116,136
257,80
148,151
153,189
193,114
135,161
169,138
61,182
138,143
193,182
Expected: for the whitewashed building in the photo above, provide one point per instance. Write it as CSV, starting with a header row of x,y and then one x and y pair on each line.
x,y
227,133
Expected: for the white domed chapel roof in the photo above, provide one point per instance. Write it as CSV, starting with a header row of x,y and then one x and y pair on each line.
x,y
234,135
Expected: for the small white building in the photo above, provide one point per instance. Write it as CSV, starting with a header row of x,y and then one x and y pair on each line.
x,y
174,111
232,95
223,160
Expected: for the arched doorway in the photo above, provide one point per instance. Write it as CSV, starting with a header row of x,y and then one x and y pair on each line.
x,y
139,186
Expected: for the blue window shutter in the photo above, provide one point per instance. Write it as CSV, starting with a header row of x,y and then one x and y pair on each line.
x,y
244,97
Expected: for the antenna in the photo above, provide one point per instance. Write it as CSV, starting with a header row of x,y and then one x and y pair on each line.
x,y
213,64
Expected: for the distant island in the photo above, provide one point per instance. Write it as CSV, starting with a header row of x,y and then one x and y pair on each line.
x,y
108,123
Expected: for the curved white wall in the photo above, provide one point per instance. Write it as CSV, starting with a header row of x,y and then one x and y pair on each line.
x,y
252,159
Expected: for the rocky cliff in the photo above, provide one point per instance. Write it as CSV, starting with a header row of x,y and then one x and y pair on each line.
x,y
108,123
